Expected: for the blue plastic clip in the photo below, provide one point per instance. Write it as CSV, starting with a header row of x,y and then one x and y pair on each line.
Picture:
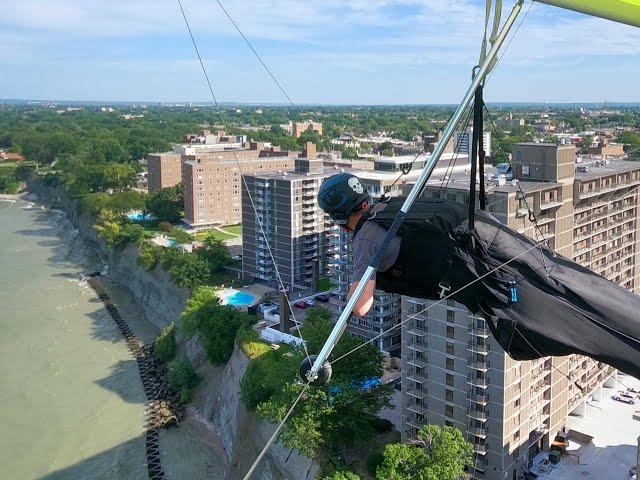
x,y
513,292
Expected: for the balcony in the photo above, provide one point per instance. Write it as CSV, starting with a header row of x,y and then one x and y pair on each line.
x,y
419,379
478,415
594,192
477,382
480,399
417,331
551,203
475,348
480,449
418,409
416,360
478,365
477,331
415,392
478,432
416,345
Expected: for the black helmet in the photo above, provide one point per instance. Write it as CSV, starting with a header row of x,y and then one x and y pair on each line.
x,y
341,195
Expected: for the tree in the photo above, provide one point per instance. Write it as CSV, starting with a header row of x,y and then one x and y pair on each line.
x,y
438,453
585,144
166,204
186,269
337,414
214,324
215,253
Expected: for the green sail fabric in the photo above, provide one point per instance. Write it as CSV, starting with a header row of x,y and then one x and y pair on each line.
x,y
623,11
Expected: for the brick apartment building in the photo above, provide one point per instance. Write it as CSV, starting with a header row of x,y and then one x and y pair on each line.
x,y
300,127
213,186
165,170
455,373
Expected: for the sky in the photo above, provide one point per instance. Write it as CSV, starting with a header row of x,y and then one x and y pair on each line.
x,y
321,51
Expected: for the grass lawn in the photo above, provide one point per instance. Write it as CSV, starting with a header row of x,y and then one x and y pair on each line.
x,y
234,229
8,164
218,235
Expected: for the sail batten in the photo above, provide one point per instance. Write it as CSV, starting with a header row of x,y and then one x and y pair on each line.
x,y
623,11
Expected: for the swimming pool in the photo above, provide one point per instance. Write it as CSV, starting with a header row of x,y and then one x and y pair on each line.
x,y
139,216
237,298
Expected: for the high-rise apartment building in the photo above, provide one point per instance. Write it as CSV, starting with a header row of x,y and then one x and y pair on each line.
x,y
164,171
463,141
213,186
455,373
295,227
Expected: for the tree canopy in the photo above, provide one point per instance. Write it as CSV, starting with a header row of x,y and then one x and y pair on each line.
x,y
438,453
166,204
336,415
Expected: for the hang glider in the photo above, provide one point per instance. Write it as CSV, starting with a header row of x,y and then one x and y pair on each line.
x,y
537,303
622,11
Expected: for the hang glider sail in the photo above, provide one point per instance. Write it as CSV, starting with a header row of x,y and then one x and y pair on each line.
x,y
622,11
536,303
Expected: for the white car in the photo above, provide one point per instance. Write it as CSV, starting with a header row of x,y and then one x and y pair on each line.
x,y
311,302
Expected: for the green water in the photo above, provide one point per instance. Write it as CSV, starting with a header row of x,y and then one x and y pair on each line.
x,y
71,400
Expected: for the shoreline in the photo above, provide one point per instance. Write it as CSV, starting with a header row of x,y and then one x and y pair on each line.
x,y
195,423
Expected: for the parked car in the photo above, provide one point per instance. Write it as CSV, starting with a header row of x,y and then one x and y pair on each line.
x,y
333,294
301,304
322,297
624,399
310,303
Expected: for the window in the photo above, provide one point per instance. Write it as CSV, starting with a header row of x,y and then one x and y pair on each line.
x,y
448,410
451,316
449,379
448,396
449,364
450,332
450,348
448,423
516,404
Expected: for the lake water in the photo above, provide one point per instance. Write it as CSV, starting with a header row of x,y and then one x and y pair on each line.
x,y
71,401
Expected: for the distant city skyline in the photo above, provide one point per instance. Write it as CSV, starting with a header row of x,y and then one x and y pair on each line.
x,y
376,52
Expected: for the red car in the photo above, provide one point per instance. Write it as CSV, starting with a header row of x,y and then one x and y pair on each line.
x,y
301,304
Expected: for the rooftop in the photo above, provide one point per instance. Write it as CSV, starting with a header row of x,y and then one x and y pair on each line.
x,y
616,447
612,168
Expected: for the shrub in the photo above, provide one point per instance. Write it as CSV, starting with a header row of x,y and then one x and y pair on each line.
x,y
215,325
341,475
183,377
148,257
118,234
165,226
164,346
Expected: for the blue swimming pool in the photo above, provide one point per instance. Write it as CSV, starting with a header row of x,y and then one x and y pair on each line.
x,y
238,299
139,217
